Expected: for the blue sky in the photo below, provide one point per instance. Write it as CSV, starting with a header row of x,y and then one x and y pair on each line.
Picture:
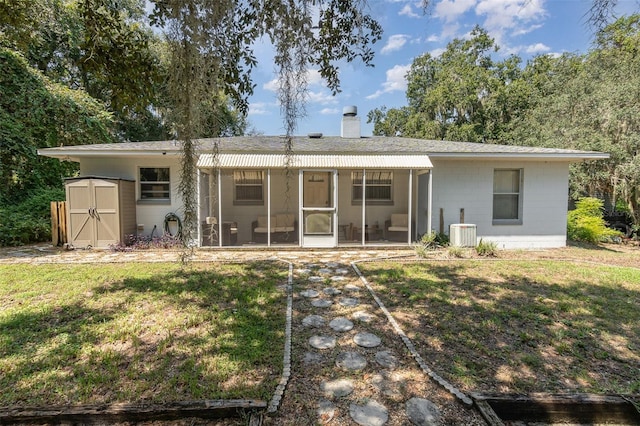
x,y
522,27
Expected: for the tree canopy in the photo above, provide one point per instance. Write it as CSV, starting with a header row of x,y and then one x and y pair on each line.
x,y
585,101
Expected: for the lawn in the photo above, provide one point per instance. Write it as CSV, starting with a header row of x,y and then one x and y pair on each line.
x,y
519,326
140,332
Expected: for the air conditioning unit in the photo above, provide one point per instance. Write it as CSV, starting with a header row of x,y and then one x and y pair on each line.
x,y
462,235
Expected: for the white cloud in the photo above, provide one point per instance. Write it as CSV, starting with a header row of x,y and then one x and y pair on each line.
x,y
433,38
537,48
396,81
407,10
394,43
313,79
322,98
329,111
271,86
516,16
451,10
259,108
437,52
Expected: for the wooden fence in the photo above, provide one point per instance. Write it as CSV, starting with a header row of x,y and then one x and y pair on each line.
x,y
59,222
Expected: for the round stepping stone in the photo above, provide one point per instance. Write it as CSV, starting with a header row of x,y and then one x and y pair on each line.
x,y
331,291
332,264
367,340
316,279
303,271
326,411
337,388
310,293
313,321
348,301
363,316
337,278
321,303
386,359
341,324
325,271
422,412
352,287
371,414
322,342
312,358
351,361
342,271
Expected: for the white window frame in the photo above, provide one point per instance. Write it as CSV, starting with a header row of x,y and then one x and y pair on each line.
x,y
518,194
370,200
236,185
143,198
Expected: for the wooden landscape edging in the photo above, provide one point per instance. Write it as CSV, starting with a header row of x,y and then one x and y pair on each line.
x,y
541,407
208,409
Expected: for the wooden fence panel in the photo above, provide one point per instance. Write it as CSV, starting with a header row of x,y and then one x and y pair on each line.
x,y
59,223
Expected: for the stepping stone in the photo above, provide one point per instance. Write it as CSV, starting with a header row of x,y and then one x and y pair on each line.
x,y
363,316
316,279
337,388
342,271
390,387
310,293
322,342
341,324
313,321
352,287
351,361
321,303
367,340
371,414
337,278
348,301
325,271
303,271
312,358
422,412
332,264
326,411
386,359
331,291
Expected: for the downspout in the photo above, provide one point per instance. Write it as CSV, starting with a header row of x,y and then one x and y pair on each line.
x,y
410,200
268,207
364,206
219,208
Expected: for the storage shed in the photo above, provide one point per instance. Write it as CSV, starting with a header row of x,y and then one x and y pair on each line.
x,y
101,211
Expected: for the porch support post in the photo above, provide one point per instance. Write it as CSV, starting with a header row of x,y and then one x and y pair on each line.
x,y
410,202
268,207
219,208
364,206
199,215
300,208
429,202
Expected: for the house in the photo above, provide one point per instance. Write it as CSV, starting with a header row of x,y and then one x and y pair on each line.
x,y
336,191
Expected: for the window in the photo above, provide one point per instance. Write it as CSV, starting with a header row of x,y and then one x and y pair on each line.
x,y
248,187
379,186
507,196
155,183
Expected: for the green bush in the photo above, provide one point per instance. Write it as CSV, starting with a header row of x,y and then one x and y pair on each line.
x,y
429,242
487,248
586,222
29,220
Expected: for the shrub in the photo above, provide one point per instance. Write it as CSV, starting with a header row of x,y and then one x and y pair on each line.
x,y
456,251
143,242
487,248
430,242
586,222
29,220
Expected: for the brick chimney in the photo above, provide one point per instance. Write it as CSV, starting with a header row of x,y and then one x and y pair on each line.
x,y
350,123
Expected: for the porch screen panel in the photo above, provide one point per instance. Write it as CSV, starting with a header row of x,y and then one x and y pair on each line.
x,y
248,186
379,186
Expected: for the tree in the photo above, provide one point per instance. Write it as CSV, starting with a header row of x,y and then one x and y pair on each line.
x,y
210,45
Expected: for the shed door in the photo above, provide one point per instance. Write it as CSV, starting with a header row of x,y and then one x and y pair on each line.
x,y
80,219
105,213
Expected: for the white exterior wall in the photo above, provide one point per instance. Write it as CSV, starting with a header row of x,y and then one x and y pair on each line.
x,y
147,214
468,185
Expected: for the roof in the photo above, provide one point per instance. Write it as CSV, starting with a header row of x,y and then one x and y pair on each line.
x,y
375,146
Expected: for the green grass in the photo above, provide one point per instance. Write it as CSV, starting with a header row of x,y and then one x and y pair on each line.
x,y
520,326
90,334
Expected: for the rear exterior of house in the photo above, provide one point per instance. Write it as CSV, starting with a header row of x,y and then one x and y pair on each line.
x,y
344,191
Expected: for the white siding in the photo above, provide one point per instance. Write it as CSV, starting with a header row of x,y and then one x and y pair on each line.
x,y
468,185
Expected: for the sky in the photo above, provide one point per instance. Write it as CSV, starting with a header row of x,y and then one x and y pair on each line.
x,y
522,27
